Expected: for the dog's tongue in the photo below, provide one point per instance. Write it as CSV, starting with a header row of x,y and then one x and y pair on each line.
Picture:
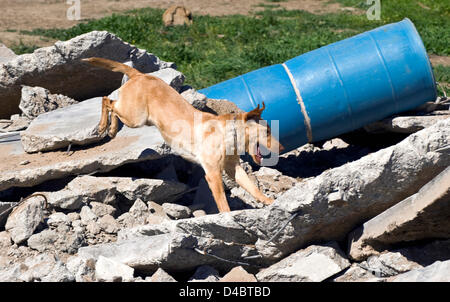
x,y
258,152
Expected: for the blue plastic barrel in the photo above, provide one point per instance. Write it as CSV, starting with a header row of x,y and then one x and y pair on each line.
x,y
339,87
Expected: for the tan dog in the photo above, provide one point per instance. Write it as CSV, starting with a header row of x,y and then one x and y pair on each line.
x,y
214,142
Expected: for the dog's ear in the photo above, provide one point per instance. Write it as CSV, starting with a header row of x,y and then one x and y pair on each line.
x,y
255,114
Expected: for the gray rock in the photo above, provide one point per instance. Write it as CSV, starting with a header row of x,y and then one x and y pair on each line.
x,y
83,190
5,240
130,145
156,190
356,273
108,224
101,192
112,271
161,276
6,54
24,219
58,218
59,69
205,273
46,268
172,77
407,124
389,264
139,254
238,274
87,215
194,97
176,211
82,269
437,272
101,209
335,143
61,239
421,216
37,100
313,264
76,124
43,241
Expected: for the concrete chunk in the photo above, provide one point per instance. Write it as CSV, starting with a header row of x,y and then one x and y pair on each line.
x,y
112,271
421,216
315,263
59,69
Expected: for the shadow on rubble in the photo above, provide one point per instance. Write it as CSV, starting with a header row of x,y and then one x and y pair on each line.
x,y
310,162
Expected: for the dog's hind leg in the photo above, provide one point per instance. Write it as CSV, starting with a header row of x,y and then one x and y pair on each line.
x,y
106,108
114,127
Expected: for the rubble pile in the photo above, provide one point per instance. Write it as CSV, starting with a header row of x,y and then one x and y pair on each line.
x,y
373,205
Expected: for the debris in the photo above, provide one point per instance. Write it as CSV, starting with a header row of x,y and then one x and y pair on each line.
x,y
315,263
37,100
130,145
176,211
407,124
436,272
112,271
44,65
422,216
238,274
24,219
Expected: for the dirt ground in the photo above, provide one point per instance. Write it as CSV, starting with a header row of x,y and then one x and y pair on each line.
x,y
17,15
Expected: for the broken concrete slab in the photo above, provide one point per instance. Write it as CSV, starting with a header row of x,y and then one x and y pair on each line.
x,y
76,124
25,218
130,145
37,100
86,189
421,216
59,69
82,190
46,268
313,264
407,124
108,270
147,189
436,272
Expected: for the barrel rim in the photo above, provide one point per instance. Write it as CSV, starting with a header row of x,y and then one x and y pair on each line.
x,y
419,42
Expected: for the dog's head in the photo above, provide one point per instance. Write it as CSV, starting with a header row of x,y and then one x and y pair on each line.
x,y
258,135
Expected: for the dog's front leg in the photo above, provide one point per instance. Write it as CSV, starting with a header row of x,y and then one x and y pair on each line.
x,y
244,181
214,179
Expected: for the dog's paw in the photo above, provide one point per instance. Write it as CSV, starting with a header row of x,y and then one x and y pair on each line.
x,y
267,201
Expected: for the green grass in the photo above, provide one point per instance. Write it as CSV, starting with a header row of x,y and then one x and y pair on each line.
x,y
22,48
214,49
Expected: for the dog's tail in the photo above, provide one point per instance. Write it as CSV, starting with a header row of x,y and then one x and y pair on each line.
x,y
113,66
